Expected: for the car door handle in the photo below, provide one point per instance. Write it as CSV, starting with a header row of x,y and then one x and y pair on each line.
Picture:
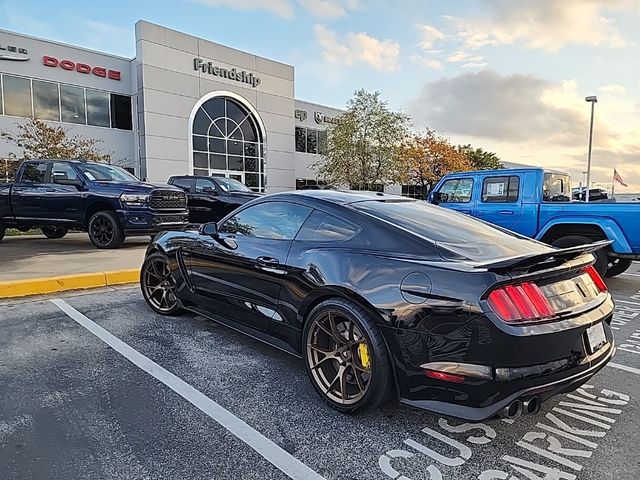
x,y
268,262
50,190
506,212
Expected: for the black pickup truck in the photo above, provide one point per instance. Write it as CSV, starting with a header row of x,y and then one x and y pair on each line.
x,y
104,200
211,198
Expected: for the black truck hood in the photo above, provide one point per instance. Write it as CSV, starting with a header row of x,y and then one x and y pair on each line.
x,y
135,187
246,196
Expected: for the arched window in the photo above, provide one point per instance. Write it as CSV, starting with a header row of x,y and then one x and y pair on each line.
x,y
227,142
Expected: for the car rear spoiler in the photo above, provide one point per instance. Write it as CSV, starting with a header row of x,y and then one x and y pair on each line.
x,y
548,259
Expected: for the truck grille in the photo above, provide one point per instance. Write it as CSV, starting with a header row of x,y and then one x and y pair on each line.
x,y
168,200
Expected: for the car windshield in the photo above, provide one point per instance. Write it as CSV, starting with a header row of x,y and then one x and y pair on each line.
x,y
106,173
456,234
556,188
232,185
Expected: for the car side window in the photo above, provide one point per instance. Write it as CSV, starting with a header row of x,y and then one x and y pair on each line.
x,y
272,220
184,183
501,189
204,183
322,227
63,171
456,190
34,172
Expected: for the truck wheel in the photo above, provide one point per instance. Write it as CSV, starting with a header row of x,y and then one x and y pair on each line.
x,y
105,230
617,266
51,231
602,260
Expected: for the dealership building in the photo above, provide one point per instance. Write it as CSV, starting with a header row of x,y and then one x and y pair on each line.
x,y
183,105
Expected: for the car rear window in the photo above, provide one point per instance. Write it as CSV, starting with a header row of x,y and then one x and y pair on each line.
x,y
454,233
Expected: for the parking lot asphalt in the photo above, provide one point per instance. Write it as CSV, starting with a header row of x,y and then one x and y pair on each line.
x,y
36,256
81,402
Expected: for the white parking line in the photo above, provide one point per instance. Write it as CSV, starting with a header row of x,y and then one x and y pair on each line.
x,y
277,456
624,367
631,274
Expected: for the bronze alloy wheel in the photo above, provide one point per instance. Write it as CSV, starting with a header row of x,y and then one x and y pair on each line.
x,y
158,285
340,358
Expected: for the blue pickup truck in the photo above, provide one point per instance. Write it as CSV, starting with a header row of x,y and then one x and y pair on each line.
x,y
538,203
104,200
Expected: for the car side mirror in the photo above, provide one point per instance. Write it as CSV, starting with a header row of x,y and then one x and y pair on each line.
x,y
210,229
434,198
210,191
73,182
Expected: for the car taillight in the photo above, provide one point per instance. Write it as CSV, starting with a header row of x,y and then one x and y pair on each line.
x,y
597,279
444,376
524,302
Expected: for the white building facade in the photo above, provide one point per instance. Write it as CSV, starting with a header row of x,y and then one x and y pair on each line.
x,y
183,105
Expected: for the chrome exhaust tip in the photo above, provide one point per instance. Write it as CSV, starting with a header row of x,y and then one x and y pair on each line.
x,y
513,410
532,405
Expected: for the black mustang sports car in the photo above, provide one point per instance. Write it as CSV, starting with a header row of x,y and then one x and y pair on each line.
x,y
383,296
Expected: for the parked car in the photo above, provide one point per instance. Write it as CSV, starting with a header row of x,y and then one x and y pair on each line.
x,y
211,198
537,203
104,200
388,297
595,194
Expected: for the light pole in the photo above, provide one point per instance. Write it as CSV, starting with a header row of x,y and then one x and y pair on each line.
x,y
593,100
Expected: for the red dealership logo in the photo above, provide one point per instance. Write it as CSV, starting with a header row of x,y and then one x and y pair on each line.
x,y
81,68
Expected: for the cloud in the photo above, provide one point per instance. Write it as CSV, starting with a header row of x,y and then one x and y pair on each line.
x,y
487,104
357,48
612,88
430,63
329,8
286,9
108,38
530,120
544,24
429,36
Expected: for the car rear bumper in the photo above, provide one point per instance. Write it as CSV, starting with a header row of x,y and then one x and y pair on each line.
x,y
543,387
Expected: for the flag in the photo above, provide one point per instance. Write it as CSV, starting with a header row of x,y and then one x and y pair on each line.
x,y
618,178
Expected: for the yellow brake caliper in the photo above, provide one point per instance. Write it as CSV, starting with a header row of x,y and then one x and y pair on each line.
x,y
363,353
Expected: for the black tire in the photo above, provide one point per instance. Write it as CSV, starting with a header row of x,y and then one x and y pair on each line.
x,y
158,286
3,230
52,231
602,260
617,266
377,379
105,230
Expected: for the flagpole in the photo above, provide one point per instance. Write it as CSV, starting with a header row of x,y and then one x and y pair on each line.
x,y
613,183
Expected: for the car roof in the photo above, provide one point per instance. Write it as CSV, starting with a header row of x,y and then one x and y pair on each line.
x,y
504,171
342,197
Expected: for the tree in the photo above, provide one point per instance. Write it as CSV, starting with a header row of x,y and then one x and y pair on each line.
x,y
36,139
427,157
481,159
364,145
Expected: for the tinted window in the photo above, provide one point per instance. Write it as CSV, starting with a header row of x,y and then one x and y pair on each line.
x,y
321,227
121,112
34,172
272,220
63,171
456,190
105,173
46,101
301,139
455,234
184,183
312,141
322,142
72,104
557,188
500,189
17,96
97,108
202,183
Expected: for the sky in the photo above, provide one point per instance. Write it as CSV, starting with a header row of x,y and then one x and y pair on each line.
x,y
508,76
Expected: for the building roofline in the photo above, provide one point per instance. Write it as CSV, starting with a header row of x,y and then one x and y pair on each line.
x,y
68,45
319,104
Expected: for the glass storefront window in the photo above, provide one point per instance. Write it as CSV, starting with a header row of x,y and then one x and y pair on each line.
x,y
228,133
301,139
46,100
72,104
312,141
17,96
97,108
121,112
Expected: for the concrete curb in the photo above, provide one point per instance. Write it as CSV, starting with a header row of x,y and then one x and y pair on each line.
x,y
41,286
